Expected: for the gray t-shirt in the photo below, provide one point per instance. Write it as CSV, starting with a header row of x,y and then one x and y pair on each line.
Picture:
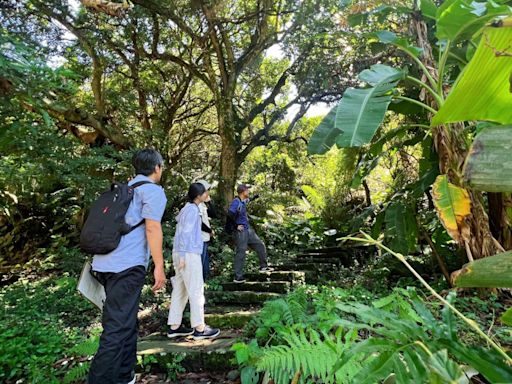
x,y
148,203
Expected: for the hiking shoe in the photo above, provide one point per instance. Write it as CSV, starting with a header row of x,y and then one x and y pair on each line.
x,y
130,380
266,269
208,333
180,331
239,281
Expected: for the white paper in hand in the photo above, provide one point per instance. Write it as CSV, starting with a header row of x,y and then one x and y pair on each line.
x,y
90,287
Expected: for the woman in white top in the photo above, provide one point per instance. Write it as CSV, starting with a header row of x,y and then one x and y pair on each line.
x,y
188,284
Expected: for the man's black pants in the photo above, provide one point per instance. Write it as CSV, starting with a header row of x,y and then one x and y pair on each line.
x,y
117,354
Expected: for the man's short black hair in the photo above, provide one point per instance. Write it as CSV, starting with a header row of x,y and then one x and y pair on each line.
x,y
145,160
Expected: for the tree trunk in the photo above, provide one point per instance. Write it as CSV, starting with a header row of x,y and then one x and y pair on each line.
x,y
452,151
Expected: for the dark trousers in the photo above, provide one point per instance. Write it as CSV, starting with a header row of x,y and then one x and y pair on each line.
x,y
117,354
243,240
205,260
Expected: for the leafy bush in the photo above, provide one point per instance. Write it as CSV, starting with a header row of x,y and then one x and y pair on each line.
x,y
41,321
330,336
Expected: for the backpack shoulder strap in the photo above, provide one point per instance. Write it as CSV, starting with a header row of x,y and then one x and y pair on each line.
x,y
135,185
139,183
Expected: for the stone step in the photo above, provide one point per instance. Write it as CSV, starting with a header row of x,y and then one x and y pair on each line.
x,y
199,356
301,267
259,286
327,250
229,317
296,277
316,255
240,297
323,260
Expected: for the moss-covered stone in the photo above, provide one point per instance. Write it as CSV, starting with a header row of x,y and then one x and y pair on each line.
x,y
240,297
259,286
204,355
235,319
294,277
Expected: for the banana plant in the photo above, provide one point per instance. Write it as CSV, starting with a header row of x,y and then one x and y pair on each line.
x,y
459,24
354,121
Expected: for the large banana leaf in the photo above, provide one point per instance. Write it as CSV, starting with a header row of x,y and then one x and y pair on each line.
x,y
506,318
325,135
453,205
489,272
401,228
388,37
460,19
361,111
428,9
483,90
488,166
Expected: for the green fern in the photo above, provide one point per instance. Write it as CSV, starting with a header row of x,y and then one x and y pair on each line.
x,y
314,357
86,348
281,313
77,373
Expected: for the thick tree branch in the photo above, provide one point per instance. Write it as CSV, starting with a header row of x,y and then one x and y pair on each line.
x,y
178,60
81,117
224,67
260,38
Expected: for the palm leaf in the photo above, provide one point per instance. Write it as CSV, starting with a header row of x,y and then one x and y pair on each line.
x,y
356,118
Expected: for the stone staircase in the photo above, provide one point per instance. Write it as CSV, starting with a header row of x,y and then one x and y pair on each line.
x,y
233,306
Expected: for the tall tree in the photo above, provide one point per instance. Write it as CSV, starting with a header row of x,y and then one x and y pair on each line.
x,y
170,73
226,44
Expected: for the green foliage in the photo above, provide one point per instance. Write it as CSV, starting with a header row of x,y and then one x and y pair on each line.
x,y
312,355
360,112
461,19
486,78
79,362
401,228
40,321
338,339
487,166
171,364
77,374
325,134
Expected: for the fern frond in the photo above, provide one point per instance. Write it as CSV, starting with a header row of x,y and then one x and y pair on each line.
x,y
86,348
315,357
77,373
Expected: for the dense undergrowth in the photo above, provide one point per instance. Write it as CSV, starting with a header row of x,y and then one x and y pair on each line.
x,y
340,335
49,332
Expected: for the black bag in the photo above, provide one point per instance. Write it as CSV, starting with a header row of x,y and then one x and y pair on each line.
x,y
230,226
105,224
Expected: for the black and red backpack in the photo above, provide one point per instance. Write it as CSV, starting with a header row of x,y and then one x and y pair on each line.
x,y
105,224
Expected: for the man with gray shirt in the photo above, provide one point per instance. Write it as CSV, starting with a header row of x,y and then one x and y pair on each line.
x,y
123,270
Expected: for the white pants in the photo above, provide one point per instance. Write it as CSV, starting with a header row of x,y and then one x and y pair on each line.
x,y
187,285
